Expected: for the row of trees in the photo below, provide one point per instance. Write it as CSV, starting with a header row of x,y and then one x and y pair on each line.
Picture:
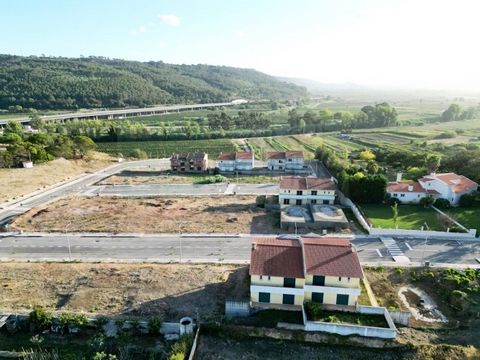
x,y
40,147
380,115
455,112
244,120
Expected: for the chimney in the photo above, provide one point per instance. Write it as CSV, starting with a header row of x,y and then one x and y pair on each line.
x,y
254,246
410,187
399,177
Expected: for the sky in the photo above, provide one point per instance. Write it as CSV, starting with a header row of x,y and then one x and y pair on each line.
x,y
428,44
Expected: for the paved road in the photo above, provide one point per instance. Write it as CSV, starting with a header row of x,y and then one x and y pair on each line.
x,y
78,185
182,189
204,248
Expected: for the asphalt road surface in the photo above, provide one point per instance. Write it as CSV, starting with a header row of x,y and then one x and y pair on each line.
x,y
210,248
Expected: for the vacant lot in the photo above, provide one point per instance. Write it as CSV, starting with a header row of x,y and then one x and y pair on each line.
x,y
16,182
410,217
222,214
145,177
168,290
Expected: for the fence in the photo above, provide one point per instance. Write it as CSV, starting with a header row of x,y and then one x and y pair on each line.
x,y
237,308
400,317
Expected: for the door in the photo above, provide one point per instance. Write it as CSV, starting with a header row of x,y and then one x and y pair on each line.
x,y
288,299
289,282
264,297
342,299
317,297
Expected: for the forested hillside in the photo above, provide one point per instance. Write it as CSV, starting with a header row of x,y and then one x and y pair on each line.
x,y
64,83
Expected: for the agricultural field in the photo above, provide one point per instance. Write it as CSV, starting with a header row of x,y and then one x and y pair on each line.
x,y
222,214
410,217
161,149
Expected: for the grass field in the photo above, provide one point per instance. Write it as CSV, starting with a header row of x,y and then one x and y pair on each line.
x,y
468,217
159,149
410,217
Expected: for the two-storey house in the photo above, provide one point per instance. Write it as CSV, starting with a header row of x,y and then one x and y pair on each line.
x,y
237,161
292,271
191,162
285,160
299,190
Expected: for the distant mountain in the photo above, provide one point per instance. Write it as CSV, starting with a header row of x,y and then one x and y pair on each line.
x,y
94,82
316,87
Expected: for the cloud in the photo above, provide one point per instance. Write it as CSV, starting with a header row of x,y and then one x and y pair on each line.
x,y
142,29
170,19
239,34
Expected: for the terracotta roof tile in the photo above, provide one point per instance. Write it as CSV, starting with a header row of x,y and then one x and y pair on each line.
x,y
306,183
241,155
331,257
459,183
403,187
282,155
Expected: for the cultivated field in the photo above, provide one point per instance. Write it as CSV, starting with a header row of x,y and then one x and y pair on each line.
x,y
167,290
222,214
161,149
16,182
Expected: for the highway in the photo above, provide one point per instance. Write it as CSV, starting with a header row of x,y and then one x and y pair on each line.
x,y
210,248
119,113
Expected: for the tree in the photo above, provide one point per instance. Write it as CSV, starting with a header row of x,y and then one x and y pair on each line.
x,y
467,200
432,162
83,145
367,155
36,122
453,113
427,201
310,118
441,203
395,213
372,167
13,127
294,118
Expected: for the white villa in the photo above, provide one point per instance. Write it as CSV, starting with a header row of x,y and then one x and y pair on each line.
x,y
236,161
285,160
299,190
291,271
449,186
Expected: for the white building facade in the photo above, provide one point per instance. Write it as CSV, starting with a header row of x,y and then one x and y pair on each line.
x,y
298,190
285,160
238,161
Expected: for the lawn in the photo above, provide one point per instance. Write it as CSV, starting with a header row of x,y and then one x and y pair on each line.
x,y
468,217
410,217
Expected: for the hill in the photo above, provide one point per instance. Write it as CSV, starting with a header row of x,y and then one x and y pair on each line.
x,y
94,82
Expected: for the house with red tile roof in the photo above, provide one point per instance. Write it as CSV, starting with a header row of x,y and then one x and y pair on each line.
x,y
237,161
300,190
290,271
285,160
449,186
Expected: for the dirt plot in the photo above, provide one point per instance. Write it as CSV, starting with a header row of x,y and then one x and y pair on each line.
x,y
168,290
16,182
222,214
221,347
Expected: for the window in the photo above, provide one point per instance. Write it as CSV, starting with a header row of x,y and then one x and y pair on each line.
x,y
342,299
298,202
348,279
314,201
199,168
318,280
314,192
261,277
290,160
395,195
402,195
317,297
289,282
269,277
264,297
288,299
326,202
299,192
340,278
286,201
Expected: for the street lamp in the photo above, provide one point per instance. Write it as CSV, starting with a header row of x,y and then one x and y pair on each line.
x,y
68,240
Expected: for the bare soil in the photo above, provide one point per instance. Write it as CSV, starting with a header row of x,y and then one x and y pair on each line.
x,y
168,290
222,214
17,182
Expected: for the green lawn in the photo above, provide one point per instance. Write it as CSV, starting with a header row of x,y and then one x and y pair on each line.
x,y
410,217
468,217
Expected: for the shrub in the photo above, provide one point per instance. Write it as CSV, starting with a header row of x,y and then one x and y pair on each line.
x,y
466,200
181,348
213,179
154,325
442,203
446,135
41,318
427,201
138,154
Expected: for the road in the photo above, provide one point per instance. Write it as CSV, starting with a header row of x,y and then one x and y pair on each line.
x,y
80,185
208,248
120,113
182,190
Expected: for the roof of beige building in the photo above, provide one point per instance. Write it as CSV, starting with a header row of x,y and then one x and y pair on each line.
x,y
240,155
306,183
284,155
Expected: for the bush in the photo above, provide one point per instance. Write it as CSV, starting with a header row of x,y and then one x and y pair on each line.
x,y
213,179
446,135
466,200
41,318
442,203
181,348
154,325
138,154
427,201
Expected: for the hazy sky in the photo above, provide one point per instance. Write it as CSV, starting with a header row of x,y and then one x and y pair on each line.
x,y
422,43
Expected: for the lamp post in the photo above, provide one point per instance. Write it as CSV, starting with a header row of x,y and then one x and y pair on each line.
x,y
68,240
